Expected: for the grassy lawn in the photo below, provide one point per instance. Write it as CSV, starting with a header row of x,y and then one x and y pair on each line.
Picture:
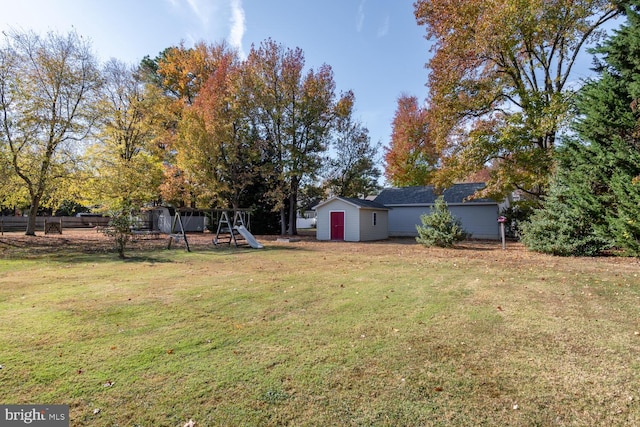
x,y
322,334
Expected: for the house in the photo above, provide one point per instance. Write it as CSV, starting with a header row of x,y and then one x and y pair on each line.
x,y
352,220
478,216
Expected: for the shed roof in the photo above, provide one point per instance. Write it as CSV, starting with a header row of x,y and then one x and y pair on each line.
x,y
359,203
426,195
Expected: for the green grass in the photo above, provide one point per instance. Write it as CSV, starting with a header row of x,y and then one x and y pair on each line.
x,y
323,334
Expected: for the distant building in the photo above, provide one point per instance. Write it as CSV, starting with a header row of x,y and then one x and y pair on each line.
x,y
351,220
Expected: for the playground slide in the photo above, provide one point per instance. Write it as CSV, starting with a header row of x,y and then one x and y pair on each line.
x,y
249,237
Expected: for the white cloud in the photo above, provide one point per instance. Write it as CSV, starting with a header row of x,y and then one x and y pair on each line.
x,y
360,16
383,29
193,4
238,26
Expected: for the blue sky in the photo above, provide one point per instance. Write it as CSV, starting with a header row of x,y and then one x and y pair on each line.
x,y
375,47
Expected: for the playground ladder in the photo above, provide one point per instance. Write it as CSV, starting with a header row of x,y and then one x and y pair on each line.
x,y
177,220
225,226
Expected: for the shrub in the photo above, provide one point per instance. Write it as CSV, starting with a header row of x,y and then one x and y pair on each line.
x,y
120,230
440,228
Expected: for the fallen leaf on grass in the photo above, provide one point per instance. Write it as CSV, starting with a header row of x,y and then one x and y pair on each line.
x,y
170,351
108,384
500,308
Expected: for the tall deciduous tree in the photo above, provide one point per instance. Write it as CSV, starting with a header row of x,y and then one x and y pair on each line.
x,y
411,158
126,169
498,86
218,144
175,79
48,89
295,112
351,170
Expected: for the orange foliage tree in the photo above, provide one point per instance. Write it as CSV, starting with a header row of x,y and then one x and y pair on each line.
x,y
499,83
411,158
218,146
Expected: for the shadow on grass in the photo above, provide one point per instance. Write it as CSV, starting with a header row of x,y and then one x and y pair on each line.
x,y
245,250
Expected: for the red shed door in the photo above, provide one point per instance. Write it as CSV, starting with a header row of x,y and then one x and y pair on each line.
x,y
337,225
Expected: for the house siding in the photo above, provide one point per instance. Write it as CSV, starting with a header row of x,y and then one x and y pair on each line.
x,y
358,225
481,221
351,233
368,231
323,224
478,220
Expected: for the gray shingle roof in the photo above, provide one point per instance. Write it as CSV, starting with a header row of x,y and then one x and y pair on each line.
x,y
365,203
426,195
369,204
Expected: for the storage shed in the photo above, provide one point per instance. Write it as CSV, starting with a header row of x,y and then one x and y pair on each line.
x,y
478,216
351,220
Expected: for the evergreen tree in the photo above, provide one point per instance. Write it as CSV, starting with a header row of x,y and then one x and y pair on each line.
x,y
595,201
569,222
440,228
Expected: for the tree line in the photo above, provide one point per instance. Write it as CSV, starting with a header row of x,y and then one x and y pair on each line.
x,y
193,127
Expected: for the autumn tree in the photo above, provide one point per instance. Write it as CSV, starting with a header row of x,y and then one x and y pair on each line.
x,y
181,71
411,158
294,111
125,166
218,145
174,79
499,83
48,91
351,170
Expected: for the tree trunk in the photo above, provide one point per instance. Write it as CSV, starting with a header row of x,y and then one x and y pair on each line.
x,y
33,214
283,221
293,229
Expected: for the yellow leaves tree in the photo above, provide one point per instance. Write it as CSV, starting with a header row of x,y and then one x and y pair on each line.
x,y
217,147
49,88
175,79
125,170
499,83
